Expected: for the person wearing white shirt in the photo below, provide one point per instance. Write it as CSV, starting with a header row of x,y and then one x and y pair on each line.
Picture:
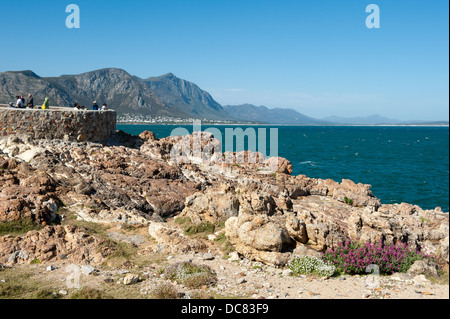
x,y
19,102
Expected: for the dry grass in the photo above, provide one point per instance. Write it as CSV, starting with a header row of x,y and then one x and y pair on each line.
x,y
165,291
442,279
89,293
191,275
22,283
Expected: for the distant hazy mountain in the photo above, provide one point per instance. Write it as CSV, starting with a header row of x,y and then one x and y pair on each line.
x,y
123,92
249,112
377,119
186,96
372,119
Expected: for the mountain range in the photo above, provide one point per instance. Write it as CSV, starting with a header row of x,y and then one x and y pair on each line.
x,y
166,95
377,119
249,112
163,96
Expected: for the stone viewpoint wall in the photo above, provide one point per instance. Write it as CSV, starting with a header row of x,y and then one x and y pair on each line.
x,y
58,123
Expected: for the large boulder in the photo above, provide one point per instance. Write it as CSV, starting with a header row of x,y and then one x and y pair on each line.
x,y
258,238
424,267
296,228
279,165
214,206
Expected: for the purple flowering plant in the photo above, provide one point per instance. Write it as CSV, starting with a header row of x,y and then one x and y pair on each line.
x,y
352,257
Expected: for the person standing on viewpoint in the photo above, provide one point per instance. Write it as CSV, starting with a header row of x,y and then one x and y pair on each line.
x,y
45,105
19,102
30,102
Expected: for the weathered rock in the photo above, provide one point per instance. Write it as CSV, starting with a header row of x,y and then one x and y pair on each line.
x,y
213,206
51,268
296,229
279,165
52,243
207,256
443,253
257,238
25,193
303,250
130,279
131,239
424,267
147,136
87,269
136,180
172,240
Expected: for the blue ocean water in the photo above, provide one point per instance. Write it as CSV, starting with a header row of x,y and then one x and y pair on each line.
x,y
403,164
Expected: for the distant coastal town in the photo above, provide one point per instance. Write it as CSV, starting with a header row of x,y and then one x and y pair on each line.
x,y
127,118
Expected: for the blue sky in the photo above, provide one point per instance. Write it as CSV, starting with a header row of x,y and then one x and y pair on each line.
x,y
317,57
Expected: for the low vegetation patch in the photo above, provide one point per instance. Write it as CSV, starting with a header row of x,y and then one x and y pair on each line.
x,y
18,227
35,261
11,290
46,294
165,292
89,293
348,201
441,279
225,244
424,220
22,284
206,228
307,265
191,275
353,257
182,220
192,229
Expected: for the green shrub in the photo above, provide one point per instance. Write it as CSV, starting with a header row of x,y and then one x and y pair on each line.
x,y
35,261
348,201
307,265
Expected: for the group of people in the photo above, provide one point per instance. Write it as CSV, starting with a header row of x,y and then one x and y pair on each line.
x,y
95,107
21,103
29,103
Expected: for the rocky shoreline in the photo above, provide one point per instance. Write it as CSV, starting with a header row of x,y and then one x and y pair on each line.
x,y
73,194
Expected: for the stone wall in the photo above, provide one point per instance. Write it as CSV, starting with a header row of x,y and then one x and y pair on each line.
x,y
58,123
